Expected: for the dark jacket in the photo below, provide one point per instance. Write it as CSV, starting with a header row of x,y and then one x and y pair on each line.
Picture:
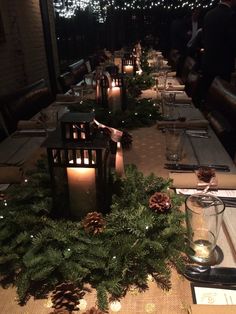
x,y
219,39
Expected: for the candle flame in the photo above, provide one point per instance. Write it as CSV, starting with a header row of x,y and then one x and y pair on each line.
x,y
79,161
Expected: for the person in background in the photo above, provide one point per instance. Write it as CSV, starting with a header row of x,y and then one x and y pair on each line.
x,y
195,25
183,33
219,41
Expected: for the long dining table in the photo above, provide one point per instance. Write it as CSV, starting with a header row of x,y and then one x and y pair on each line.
x,y
148,153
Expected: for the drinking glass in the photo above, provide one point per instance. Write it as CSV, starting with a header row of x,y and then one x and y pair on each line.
x,y
174,144
168,102
204,216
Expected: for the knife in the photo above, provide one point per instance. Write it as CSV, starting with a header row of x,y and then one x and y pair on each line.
x,y
195,167
218,275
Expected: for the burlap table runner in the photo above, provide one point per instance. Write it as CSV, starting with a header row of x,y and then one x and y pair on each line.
x,y
154,300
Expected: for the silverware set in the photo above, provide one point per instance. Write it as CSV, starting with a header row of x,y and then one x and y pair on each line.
x,y
197,133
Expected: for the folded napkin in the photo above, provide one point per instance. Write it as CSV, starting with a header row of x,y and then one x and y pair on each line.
x,y
190,180
171,74
182,98
171,87
83,92
67,98
10,174
30,125
188,124
212,309
176,87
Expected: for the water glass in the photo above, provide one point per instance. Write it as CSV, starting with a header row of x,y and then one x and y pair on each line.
x,y
174,144
204,216
168,103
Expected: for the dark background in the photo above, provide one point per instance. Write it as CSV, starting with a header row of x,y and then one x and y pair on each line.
x,y
82,35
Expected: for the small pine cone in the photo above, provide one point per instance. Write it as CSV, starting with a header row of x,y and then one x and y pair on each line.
x,y
126,140
160,202
66,297
93,310
94,223
205,174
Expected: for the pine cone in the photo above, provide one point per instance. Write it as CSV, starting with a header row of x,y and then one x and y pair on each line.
x,y
66,297
93,310
160,202
126,140
205,174
94,223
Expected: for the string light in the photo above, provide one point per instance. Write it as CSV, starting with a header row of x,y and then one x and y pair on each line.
x,y
69,8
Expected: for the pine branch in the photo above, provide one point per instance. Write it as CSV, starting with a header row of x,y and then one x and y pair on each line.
x,y
102,297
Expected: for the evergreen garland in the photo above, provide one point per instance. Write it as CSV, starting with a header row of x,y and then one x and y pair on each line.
x,y
136,84
38,252
140,113
144,62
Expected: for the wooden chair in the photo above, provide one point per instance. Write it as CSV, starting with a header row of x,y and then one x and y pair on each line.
x,y
78,69
66,80
23,104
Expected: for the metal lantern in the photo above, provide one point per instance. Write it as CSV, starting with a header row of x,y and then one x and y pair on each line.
x,y
77,127
129,65
79,167
113,92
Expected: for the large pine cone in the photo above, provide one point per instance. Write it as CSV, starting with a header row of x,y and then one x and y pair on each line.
x,y
205,174
94,223
160,202
66,297
93,310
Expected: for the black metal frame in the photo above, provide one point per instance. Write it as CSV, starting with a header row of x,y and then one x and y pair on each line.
x,y
119,81
78,154
77,127
131,60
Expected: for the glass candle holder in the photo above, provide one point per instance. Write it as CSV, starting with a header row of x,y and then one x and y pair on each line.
x,y
204,216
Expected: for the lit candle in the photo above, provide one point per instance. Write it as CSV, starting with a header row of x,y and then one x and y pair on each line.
x,y
129,69
82,189
119,165
202,251
115,97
